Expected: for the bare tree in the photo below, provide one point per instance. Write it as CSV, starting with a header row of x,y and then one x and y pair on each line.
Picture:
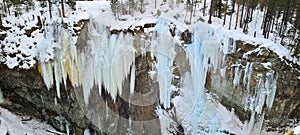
x,y
204,6
225,13
242,14
192,5
211,11
1,21
50,12
62,8
220,9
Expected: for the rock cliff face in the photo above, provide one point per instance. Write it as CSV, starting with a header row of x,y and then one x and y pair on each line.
x,y
26,94
245,81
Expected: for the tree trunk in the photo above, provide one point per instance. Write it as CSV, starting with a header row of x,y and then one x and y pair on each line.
x,y
252,10
264,18
231,13
155,4
4,6
204,6
242,15
247,16
50,12
8,10
195,4
273,23
210,11
237,14
265,24
220,9
269,26
192,6
284,18
281,25
1,21
62,8
225,13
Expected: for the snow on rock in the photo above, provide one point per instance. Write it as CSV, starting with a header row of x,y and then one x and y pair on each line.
x,y
32,35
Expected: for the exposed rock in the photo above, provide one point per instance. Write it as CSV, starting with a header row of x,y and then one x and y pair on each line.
x,y
28,95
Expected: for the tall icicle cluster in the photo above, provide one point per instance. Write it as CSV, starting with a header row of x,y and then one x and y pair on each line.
x,y
266,89
165,54
104,60
264,95
203,53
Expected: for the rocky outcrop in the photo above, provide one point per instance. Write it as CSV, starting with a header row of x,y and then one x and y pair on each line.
x,y
26,94
286,105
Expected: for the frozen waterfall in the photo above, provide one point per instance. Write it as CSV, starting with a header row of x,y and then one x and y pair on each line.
x,y
104,60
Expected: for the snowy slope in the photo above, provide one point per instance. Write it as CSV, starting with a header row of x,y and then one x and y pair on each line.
x,y
20,125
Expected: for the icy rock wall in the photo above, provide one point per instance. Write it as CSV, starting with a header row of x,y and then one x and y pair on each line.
x,y
253,86
107,59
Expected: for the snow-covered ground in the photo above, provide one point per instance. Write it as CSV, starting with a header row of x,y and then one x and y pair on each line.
x,y
21,125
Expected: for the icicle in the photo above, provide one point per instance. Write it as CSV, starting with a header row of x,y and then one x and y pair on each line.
x,y
87,132
129,125
251,123
270,85
47,74
106,111
55,100
231,46
247,76
261,96
237,75
57,76
132,79
228,45
68,128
